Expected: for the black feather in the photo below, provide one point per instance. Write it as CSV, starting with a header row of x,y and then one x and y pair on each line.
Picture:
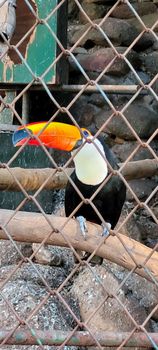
x,y
109,201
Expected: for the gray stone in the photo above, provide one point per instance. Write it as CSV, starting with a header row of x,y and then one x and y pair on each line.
x,y
145,42
92,10
98,60
141,187
25,290
142,8
93,1
124,150
10,255
84,111
72,30
145,292
155,45
130,227
72,8
120,32
150,63
107,79
142,118
91,288
148,19
148,229
97,99
33,272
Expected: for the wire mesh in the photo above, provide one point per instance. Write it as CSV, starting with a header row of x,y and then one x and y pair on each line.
x,y
23,327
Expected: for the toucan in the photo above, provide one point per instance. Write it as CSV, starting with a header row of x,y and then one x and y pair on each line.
x,y
92,158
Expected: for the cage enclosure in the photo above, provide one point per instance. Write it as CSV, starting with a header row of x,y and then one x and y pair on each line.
x,y
34,49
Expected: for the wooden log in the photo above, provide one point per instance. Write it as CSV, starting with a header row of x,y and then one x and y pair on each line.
x,y
32,179
34,227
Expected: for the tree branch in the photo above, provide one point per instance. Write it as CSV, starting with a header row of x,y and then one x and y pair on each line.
x,y
32,179
120,249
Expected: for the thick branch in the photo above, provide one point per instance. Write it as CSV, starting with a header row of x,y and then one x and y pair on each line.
x,y
32,179
34,227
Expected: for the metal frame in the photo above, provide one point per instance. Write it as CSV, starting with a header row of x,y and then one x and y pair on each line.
x,y
139,336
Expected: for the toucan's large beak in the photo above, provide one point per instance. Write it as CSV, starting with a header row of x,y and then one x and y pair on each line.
x,y
54,135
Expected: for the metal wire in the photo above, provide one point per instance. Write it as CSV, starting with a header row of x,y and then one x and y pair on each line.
x,y
30,335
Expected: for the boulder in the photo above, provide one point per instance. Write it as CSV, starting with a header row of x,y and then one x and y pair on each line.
x,y
94,1
84,111
149,20
141,117
92,10
10,255
120,32
99,59
91,288
130,227
141,187
148,229
144,291
124,150
142,8
150,63
72,8
25,290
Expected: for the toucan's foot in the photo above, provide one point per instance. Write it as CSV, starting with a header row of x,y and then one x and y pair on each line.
x,y
106,229
83,226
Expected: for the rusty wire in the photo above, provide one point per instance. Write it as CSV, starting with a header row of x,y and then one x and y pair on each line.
x,y
33,336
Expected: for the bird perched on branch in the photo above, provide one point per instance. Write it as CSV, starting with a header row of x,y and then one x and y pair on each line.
x,y
91,157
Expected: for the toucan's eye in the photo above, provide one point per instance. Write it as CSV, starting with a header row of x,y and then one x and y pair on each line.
x,y
86,133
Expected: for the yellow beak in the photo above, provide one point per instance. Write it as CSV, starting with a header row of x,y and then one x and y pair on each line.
x,y
54,135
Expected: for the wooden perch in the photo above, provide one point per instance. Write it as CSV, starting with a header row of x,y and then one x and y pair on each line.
x,y
33,227
32,179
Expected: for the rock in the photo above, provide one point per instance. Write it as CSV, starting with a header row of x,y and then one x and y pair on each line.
x,y
72,9
9,254
47,255
72,30
131,78
141,187
155,210
25,293
97,99
120,32
53,276
150,63
149,230
107,79
144,291
91,288
80,50
155,316
129,228
124,150
155,88
44,256
93,1
155,45
145,42
147,39
142,118
84,111
98,60
142,8
149,20
92,10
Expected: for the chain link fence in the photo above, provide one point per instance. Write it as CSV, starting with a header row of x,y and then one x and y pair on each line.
x,y
22,324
